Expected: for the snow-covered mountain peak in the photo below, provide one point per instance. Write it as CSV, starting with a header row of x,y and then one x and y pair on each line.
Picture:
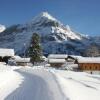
x,y
2,28
44,16
46,24
47,15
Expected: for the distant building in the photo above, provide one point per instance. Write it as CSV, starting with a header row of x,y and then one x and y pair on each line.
x,y
76,62
57,60
88,63
5,54
21,61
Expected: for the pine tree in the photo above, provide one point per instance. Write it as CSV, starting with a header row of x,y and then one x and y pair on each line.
x,y
35,51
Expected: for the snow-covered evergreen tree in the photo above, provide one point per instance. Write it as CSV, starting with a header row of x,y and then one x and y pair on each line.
x,y
35,50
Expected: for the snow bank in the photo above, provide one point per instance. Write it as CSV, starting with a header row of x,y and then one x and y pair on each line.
x,y
9,80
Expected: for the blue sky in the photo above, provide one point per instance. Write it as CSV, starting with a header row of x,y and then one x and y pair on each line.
x,y
82,15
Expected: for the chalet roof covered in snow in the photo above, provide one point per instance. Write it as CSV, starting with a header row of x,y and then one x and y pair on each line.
x,y
89,60
6,52
57,61
57,56
75,56
19,59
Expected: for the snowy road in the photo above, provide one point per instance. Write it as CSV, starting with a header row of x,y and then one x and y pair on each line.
x,y
37,84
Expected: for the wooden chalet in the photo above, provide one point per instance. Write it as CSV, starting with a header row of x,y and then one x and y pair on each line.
x,y
57,60
84,63
88,64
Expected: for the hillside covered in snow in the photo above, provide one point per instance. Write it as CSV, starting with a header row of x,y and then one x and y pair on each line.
x,y
55,37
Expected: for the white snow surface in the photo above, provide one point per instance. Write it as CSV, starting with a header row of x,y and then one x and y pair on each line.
x,y
31,84
9,80
79,85
40,83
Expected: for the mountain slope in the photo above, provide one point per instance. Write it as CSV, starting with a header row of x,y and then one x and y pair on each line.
x,y
55,37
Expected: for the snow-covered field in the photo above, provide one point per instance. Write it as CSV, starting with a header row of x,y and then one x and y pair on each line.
x,y
41,83
79,85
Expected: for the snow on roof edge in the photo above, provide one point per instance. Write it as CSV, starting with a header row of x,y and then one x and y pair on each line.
x,y
6,52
